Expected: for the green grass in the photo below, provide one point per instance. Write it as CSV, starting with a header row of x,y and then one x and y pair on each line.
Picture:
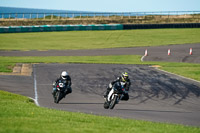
x,y
97,39
185,69
18,114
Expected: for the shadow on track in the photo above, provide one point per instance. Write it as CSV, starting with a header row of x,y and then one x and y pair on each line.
x,y
82,103
163,87
137,110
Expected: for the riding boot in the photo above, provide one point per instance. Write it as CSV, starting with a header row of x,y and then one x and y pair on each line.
x,y
53,93
67,91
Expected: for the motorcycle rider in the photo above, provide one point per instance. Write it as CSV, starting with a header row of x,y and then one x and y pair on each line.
x,y
124,79
66,79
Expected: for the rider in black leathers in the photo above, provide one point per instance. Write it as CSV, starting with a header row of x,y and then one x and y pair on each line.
x,y
64,78
123,78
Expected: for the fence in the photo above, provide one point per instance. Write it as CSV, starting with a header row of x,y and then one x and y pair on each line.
x,y
170,14
131,17
50,28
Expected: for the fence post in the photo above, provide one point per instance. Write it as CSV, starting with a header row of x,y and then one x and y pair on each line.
x,y
168,17
66,15
193,14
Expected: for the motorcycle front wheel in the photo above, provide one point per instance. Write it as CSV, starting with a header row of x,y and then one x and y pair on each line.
x,y
58,97
113,102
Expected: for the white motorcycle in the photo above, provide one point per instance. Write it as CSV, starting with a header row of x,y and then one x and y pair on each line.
x,y
115,95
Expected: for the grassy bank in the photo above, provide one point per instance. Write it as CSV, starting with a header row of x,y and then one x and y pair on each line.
x,y
97,39
185,69
20,115
111,19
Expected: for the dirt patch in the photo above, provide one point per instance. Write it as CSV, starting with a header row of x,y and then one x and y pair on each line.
x,y
20,69
156,66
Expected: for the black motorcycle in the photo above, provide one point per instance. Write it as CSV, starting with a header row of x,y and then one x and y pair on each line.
x,y
115,94
61,90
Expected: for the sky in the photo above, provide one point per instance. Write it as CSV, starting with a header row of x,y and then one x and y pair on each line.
x,y
107,5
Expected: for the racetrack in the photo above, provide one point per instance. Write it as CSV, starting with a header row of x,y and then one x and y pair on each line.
x,y
179,53
154,95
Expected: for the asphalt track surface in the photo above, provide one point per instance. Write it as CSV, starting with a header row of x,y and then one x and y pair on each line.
x,y
179,53
154,95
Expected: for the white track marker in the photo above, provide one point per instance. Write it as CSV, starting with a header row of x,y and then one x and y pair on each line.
x,y
169,52
35,86
190,51
145,54
33,100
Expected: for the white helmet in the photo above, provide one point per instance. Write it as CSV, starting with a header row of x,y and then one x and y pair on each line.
x,y
64,75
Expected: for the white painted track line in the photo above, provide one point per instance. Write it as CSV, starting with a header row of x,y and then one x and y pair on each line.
x,y
35,86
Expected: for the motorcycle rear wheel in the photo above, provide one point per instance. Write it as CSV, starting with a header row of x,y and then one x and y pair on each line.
x,y
106,105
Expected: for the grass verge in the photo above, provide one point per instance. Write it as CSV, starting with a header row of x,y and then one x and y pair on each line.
x,y
20,115
185,69
97,39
